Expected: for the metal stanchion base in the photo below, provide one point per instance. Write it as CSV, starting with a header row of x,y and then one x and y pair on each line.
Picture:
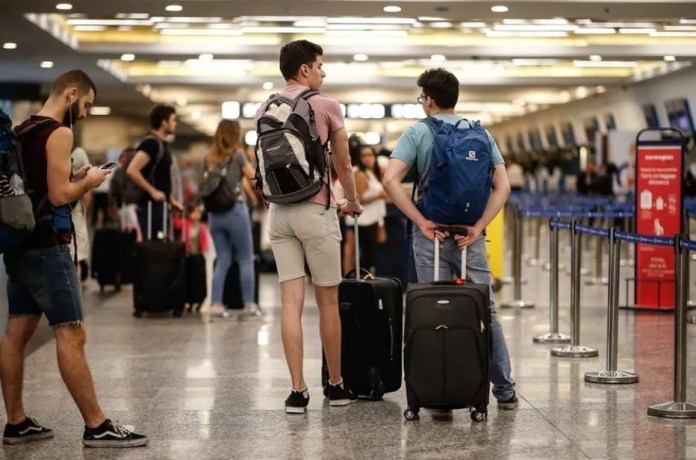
x,y
605,376
535,262
601,281
518,304
673,410
552,337
575,351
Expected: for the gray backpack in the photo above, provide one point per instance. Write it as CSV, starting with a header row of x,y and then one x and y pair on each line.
x,y
291,160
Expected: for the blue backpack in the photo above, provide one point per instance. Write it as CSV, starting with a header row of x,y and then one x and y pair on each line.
x,y
460,174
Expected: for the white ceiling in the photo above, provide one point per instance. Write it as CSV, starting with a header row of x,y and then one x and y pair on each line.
x,y
168,69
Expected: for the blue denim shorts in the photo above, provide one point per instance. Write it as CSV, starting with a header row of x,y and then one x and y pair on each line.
x,y
44,281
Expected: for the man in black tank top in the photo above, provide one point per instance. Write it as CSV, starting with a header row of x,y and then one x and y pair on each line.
x,y
42,279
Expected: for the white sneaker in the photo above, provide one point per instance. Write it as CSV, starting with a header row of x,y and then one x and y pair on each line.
x,y
218,312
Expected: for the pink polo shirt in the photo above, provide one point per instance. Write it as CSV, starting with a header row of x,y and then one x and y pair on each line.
x,y
328,118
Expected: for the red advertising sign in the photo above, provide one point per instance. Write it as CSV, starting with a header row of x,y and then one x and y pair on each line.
x,y
658,213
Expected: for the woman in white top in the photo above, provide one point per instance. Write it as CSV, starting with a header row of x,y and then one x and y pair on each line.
x,y
368,182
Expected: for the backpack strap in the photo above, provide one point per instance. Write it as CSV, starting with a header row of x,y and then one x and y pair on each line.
x,y
158,158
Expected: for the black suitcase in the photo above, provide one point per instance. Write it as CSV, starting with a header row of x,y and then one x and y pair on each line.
x,y
160,276
371,311
113,257
232,292
196,280
447,346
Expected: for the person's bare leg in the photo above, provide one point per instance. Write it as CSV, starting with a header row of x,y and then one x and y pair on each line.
x,y
18,331
330,329
72,362
292,302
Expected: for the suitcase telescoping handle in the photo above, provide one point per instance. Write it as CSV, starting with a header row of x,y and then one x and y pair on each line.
x,y
436,262
149,219
357,248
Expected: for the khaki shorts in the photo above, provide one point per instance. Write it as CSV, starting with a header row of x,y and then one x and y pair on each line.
x,y
306,230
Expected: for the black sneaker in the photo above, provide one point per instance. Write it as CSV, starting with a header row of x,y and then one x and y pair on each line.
x,y
297,402
339,395
112,434
28,430
508,404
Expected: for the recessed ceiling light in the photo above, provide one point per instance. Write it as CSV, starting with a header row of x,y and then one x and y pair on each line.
x,y
392,9
174,8
206,57
64,6
595,58
128,57
268,85
46,64
499,9
670,58
438,58
9,46
360,57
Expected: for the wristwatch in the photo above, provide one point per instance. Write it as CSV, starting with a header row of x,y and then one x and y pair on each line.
x,y
355,201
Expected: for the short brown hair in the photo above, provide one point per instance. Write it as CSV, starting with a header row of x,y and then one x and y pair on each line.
x,y
159,114
294,54
76,78
440,85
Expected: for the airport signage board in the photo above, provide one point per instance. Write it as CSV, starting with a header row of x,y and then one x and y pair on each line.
x,y
659,203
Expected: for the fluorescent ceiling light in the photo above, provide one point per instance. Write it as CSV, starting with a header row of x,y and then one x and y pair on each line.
x,y
673,34
250,137
687,21
441,24
680,28
64,6
534,62
184,19
46,64
132,16
372,138
110,22
354,20
89,28
504,33
219,32
578,63
128,57
360,57
438,58
473,25
182,102
364,33
267,85
581,91
499,9
670,58
595,31
392,9
102,111
535,27
9,46
206,57
310,23
595,58
430,18
636,31
357,27
196,114
600,89
282,30
174,8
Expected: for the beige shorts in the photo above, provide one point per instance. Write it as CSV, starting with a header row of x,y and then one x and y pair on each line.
x,y
306,230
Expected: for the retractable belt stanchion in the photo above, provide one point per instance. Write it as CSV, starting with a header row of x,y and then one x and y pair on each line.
x,y
598,279
536,260
610,374
517,265
575,350
679,408
554,336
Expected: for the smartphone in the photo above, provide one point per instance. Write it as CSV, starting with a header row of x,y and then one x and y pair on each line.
x,y
109,165
454,230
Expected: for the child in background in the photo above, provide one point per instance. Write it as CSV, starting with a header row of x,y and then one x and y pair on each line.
x,y
195,235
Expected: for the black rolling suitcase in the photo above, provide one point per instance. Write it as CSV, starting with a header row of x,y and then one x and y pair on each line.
x,y
196,281
447,346
160,274
371,311
232,292
113,252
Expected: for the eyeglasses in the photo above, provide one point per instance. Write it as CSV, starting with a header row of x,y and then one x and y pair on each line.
x,y
421,98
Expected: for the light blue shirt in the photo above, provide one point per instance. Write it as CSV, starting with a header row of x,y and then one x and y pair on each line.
x,y
416,144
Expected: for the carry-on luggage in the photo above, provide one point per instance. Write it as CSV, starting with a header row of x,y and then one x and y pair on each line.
x,y
160,274
232,292
371,311
196,281
113,253
447,345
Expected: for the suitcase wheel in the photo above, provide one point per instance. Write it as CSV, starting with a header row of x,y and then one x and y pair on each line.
x,y
377,388
478,416
138,314
411,413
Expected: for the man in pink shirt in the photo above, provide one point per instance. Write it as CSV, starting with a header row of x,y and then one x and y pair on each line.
x,y
309,229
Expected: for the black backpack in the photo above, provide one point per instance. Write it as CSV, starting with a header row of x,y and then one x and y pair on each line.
x,y
219,194
291,160
18,215
130,192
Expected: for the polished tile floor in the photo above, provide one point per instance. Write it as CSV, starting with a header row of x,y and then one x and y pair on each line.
x,y
215,390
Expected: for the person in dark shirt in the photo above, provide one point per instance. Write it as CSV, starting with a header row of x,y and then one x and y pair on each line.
x,y
42,278
151,170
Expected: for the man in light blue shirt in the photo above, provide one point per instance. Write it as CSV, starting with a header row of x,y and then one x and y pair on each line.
x,y
440,91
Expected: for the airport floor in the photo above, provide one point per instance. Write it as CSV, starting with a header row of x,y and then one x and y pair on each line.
x,y
216,390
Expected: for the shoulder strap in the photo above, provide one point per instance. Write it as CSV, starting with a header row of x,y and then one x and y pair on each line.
x,y
433,123
308,93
